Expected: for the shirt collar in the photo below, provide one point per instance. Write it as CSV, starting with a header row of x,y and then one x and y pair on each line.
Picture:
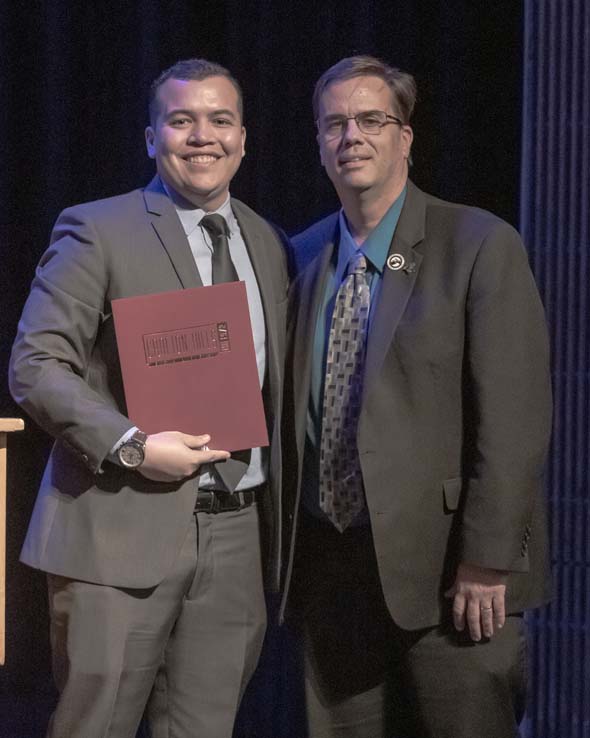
x,y
346,247
376,246
190,216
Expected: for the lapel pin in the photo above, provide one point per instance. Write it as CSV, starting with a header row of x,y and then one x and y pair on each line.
x,y
395,262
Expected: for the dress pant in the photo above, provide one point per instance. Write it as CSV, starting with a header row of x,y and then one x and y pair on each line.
x,y
367,678
193,641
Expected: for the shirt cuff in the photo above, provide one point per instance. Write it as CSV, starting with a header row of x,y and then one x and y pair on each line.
x,y
112,455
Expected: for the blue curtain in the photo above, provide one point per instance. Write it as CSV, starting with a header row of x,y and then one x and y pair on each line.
x,y
555,206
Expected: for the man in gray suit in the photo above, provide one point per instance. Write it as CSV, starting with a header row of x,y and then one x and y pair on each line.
x,y
421,403
153,553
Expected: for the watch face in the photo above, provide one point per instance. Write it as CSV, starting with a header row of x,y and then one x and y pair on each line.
x,y
131,455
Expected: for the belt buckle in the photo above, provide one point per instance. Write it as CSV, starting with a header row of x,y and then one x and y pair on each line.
x,y
218,501
212,504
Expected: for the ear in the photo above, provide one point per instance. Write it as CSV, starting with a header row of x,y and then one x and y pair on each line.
x,y
243,142
407,137
150,142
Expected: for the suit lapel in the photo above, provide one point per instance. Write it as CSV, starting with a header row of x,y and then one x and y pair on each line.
x,y
309,300
259,245
397,284
170,232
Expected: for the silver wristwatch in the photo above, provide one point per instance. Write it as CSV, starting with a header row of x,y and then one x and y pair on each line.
x,y
132,453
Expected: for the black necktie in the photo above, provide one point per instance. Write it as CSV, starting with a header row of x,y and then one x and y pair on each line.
x,y
222,267
223,270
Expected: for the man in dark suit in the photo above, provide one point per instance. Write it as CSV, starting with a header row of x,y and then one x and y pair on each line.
x,y
153,551
421,400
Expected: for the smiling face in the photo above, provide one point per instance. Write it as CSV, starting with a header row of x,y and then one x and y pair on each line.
x,y
197,138
358,162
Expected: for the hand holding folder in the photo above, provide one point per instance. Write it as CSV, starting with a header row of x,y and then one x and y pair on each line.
x,y
171,456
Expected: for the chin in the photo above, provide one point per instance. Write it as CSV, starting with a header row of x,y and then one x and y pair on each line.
x,y
200,190
356,181
354,174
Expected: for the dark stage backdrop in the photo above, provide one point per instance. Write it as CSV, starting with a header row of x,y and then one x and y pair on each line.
x,y
555,222
73,84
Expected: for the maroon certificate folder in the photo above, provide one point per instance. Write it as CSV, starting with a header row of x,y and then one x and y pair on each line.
x,y
189,364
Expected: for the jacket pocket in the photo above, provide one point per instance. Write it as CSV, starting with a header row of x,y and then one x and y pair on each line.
x,y
452,494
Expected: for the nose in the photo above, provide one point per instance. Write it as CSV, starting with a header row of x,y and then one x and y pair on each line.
x,y
351,133
200,133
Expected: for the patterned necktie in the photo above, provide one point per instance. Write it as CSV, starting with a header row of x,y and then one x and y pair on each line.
x,y
341,484
223,270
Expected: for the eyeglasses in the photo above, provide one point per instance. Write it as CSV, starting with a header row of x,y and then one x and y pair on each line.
x,y
369,121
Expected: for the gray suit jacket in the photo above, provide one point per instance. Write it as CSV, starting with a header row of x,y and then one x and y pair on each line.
x,y
456,408
93,520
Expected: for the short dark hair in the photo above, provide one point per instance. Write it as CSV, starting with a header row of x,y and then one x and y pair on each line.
x,y
402,85
198,69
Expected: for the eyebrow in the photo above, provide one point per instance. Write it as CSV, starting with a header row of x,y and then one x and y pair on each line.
x,y
337,116
191,113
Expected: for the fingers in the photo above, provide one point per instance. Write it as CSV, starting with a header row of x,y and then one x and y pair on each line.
x,y
493,613
487,620
477,617
499,611
195,442
492,617
199,443
211,455
481,616
171,456
459,607
474,615
478,600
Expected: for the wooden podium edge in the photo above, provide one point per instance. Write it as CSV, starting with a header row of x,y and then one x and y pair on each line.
x,y
7,425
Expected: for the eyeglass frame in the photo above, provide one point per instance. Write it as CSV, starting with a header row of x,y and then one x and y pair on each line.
x,y
344,120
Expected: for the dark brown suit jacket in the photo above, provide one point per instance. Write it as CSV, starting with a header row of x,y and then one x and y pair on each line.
x,y
456,409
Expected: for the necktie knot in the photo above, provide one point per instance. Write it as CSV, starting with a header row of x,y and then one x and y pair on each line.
x,y
215,225
357,263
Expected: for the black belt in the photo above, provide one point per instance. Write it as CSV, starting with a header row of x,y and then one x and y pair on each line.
x,y
217,501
